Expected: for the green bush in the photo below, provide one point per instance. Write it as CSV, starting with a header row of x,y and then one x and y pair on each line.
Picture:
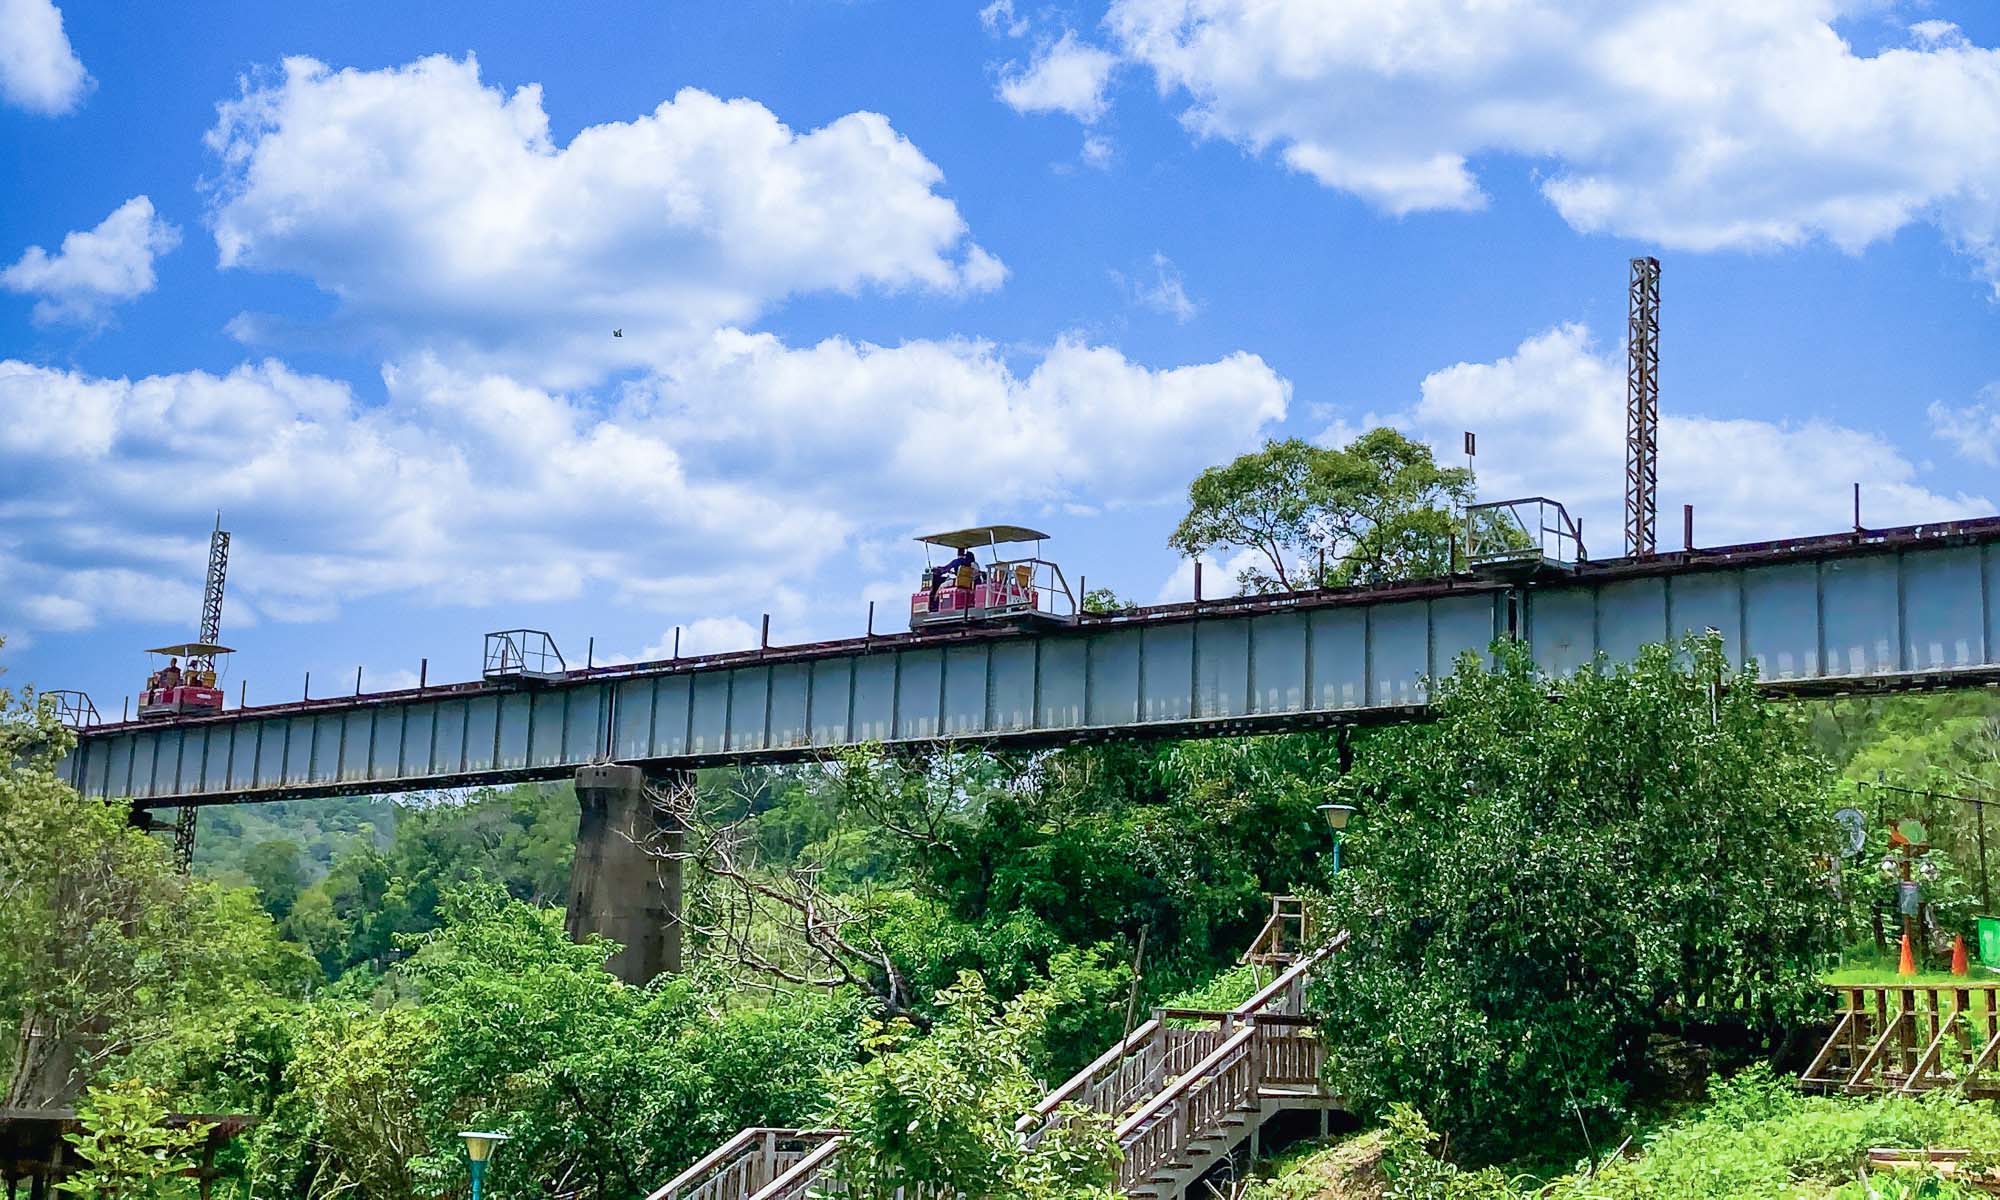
x,y
1536,889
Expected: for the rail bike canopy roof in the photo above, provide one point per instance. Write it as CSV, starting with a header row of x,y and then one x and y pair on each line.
x,y
187,649
983,535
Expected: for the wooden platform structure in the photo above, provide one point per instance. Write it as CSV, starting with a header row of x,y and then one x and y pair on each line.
x,y
1911,1038
1188,1089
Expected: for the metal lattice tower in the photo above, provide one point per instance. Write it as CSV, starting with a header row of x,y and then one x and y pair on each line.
x,y
211,596
211,629
1642,407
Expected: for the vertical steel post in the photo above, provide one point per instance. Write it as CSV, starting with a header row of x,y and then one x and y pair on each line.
x,y
1642,406
184,821
1197,581
1687,526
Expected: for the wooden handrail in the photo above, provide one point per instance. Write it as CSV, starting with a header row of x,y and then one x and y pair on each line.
x,y
1289,976
1081,1079
723,1154
1242,1024
1186,1083
710,1162
802,1171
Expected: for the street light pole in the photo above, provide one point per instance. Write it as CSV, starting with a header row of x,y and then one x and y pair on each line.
x,y
478,1148
1337,816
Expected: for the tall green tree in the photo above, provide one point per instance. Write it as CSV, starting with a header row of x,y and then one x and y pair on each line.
x,y
1376,510
101,941
1536,887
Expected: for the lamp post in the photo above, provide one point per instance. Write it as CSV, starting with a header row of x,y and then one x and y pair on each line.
x,y
479,1148
1337,816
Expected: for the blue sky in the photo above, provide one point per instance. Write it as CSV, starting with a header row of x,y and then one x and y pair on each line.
x,y
350,273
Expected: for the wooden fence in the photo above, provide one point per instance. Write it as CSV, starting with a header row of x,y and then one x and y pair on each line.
x,y
1912,1038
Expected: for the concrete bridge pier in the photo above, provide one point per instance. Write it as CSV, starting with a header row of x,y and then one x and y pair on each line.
x,y
626,879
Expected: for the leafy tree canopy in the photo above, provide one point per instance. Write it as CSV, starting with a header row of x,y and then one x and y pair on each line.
x,y
1536,888
1376,510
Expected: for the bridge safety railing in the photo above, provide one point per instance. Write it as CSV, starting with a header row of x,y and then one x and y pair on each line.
x,y
1532,531
1038,583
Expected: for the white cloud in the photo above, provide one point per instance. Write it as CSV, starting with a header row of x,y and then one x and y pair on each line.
x,y
998,18
1067,76
705,635
1085,422
1973,431
1551,421
38,70
1097,151
676,494
1165,292
442,215
1219,577
1693,123
96,268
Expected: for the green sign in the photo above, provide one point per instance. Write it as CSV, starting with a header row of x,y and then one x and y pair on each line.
x,y
1989,941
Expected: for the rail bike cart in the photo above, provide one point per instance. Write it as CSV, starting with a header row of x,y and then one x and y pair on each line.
x,y
984,581
183,680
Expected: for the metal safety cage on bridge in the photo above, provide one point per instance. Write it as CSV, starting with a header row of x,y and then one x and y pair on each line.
x,y
1525,536
523,654
72,709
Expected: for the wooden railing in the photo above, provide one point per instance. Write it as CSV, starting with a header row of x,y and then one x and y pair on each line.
x,y
1175,1079
1912,1038
745,1164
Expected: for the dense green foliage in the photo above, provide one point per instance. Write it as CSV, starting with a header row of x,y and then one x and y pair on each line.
x,y
1758,1138
1536,889
1377,510
128,1150
103,947
939,1112
606,1089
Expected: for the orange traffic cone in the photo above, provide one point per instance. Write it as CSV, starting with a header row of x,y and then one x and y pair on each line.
x,y
1958,965
1908,966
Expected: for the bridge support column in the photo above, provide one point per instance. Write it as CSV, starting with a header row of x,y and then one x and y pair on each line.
x,y
625,881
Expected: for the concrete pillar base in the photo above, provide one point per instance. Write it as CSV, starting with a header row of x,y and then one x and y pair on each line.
x,y
625,882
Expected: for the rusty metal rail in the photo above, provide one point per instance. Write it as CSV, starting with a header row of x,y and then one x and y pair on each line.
x,y
1912,1038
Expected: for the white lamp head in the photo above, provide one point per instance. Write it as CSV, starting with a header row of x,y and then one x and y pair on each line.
x,y
1337,815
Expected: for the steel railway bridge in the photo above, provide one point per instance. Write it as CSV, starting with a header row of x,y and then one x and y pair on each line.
x,y
1888,609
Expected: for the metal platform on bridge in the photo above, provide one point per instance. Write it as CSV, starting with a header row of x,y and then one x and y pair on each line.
x,y
1888,609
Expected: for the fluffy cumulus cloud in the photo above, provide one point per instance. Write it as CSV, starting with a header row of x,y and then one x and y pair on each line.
x,y
1067,76
675,494
95,269
443,216
1973,431
1694,123
1551,421
39,71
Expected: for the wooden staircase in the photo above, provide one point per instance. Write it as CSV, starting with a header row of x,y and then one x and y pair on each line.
x,y
1189,1089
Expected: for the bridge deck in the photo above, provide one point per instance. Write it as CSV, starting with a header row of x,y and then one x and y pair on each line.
x,y
1882,609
